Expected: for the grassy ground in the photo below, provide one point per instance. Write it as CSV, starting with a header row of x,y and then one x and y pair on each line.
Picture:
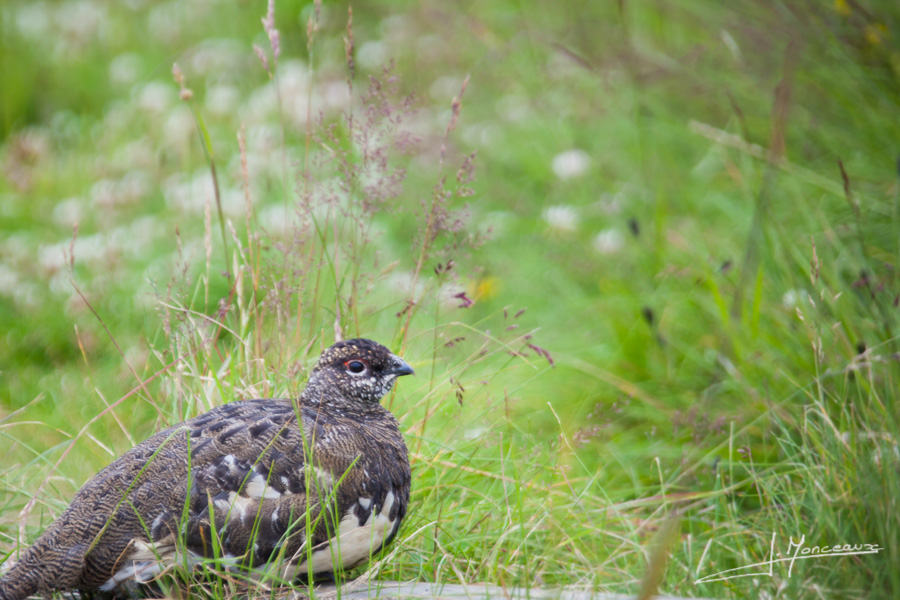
x,y
695,204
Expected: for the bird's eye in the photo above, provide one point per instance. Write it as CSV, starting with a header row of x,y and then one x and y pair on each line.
x,y
355,366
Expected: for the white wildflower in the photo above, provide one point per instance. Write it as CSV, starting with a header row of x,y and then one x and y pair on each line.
x,y
260,105
397,27
792,298
272,217
165,22
571,163
179,130
125,69
474,433
9,279
609,241
82,20
480,134
333,95
445,88
33,19
68,212
293,85
217,56
156,96
372,55
562,218
221,100
513,107
401,282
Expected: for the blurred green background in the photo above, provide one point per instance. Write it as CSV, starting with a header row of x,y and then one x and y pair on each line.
x,y
694,201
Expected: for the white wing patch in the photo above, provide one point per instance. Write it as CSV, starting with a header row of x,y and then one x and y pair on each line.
x,y
235,506
354,544
149,560
256,488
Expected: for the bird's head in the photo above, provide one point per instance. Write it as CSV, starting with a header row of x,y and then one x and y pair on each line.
x,y
358,370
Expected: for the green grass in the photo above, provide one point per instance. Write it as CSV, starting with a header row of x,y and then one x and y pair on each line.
x,y
719,301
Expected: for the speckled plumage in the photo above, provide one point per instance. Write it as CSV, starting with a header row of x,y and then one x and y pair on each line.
x,y
245,475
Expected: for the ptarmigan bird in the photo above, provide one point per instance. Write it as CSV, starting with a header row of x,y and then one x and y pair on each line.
x,y
315,485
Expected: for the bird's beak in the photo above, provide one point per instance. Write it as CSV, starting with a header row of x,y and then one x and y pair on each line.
x,y
399,367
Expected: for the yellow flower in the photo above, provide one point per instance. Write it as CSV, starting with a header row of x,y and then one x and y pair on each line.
x,y
842,7
875,33
485,288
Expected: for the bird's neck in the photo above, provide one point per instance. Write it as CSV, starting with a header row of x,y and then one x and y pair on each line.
x,y
319,395
324,397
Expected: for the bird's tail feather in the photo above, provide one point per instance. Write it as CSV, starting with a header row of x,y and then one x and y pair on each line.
x,y
43,567
19,582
